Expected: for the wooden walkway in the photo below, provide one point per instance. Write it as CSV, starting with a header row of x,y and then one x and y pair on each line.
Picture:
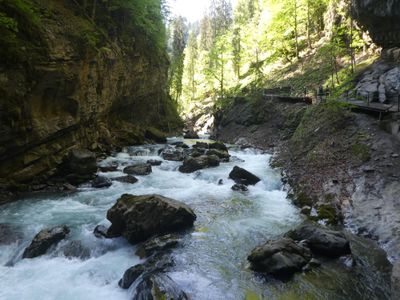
x,y
373,107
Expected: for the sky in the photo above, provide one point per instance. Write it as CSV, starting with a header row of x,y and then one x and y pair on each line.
x,y
193,10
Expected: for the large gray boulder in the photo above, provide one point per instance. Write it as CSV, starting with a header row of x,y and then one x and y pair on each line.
x,y
101,182
79,166
158,244
192,164
173,154
159,286
218,146
281,258
138,169
138,218
223,155
321,240
242,176
152,266
44,240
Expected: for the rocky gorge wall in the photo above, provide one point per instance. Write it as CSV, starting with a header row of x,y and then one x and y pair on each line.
x,y
67,82
381,19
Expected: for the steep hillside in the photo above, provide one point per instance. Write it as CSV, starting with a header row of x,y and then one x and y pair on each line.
x,y
74,75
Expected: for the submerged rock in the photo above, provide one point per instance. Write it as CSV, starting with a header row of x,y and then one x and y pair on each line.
x,y
219,146
200,145
223,155
131,275
75,249
109,168
240,188
173,154
100,231
127,179
280,258
138,218
154,162
151,266
192,164
321,241
80,166
44,240
191,135
138,169
160,286
180,145
8,234
101,182
242,176
157,244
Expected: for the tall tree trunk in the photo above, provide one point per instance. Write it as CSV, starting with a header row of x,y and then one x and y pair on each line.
x,y
94,9
296,29
309,25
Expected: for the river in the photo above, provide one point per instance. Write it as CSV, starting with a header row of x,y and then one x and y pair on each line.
x,y
211,261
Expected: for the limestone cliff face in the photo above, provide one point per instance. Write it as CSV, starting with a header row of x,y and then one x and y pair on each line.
x,y
381,19
85,88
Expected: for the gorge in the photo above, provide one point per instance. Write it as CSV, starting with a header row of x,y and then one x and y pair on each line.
x,y
102,199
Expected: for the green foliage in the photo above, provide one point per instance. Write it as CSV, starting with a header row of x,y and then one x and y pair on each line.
x,y
270,43
322,120
19,35
361,152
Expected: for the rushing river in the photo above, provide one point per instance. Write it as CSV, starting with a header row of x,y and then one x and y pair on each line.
x,y
211,262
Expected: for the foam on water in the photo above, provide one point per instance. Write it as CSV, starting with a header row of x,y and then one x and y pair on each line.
x,y
211,264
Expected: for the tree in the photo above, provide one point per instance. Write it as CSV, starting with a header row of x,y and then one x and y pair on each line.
x,y
237,51
179,32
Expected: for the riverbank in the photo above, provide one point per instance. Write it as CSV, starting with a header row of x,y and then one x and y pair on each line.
x,y
344,169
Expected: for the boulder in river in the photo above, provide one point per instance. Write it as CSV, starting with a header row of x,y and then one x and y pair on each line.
x,y
223,155
157,244
100,231
191,135
154,162
153,265
242,176
158,286
80,166
101,182
219,146
180,145
321,240
192,164
127,179
240,188
173,154
44,240
200,145
109,168
8,234
75,249
138,218
138,169
281,258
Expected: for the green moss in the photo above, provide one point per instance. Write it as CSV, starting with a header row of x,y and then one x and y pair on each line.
x,y
328,213
302,199
320,121
361,152
20,37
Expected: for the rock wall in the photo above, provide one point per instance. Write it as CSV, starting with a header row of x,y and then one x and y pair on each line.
x,y
75,85
381,19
